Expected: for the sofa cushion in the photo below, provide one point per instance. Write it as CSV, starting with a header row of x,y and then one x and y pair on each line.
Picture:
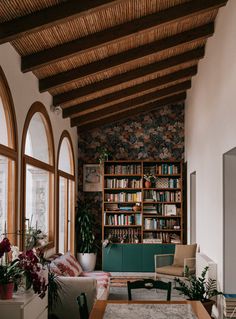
x,y
184,251
66,265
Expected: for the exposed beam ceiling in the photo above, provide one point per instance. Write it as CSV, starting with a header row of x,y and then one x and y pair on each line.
x,y
123,106
136,110
99,39
103,61
172,77
126,57
49,17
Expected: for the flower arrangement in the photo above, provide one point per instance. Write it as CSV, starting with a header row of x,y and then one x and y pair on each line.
x,y
13,269
10,272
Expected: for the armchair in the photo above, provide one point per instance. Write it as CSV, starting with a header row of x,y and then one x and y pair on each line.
x,y
173,265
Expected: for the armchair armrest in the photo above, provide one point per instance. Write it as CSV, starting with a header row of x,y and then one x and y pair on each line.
x,y
191,263
163,260
71,288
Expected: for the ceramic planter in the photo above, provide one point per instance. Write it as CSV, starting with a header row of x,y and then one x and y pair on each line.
x,y
6,290
87,261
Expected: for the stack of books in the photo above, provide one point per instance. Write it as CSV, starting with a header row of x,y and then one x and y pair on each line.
x,y
229,305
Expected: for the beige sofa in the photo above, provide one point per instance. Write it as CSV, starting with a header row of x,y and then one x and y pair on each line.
x,y
73,281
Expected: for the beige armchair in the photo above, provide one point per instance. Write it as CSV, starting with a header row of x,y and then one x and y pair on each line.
x,y
173,265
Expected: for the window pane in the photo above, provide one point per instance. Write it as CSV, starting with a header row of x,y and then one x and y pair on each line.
x,y
62,213
36,139
3,126
71,207
38,194
65,157
7,200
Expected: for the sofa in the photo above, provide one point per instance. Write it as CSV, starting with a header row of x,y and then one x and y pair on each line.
x,y
73,280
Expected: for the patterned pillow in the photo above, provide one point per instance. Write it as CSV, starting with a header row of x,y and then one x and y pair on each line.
x,y
66,265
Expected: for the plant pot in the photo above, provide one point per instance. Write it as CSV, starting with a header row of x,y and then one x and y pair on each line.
x,y
208,305
147,184
6,290
87,261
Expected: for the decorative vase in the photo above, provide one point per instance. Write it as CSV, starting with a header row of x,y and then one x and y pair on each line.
x,y
6,290
147,184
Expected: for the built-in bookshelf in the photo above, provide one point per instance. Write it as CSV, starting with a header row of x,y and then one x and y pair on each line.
x,y
134,212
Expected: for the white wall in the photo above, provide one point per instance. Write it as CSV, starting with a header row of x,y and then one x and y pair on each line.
x,y
24,90
211,131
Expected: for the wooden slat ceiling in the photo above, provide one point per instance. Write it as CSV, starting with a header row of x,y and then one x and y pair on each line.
x,y
104,61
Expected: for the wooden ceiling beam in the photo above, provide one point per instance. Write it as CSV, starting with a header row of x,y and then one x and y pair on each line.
x,y
102,85
151,68
132,112
49,17
118,32
174,41
158,81
123,106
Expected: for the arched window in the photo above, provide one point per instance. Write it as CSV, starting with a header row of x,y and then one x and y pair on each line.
x,y
38,171
8,162
66,193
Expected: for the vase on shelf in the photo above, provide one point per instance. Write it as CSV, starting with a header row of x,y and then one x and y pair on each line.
x,y
147,184
6,290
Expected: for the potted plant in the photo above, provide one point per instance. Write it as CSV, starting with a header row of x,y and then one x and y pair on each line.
x,y
86,244
198,288
149,180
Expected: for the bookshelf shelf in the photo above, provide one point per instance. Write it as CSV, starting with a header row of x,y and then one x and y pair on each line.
x,y
160,206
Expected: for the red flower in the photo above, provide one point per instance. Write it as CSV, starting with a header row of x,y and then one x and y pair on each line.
x,y
5,246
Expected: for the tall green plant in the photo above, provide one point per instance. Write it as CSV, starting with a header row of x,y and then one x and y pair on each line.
x,y
197,288
86,228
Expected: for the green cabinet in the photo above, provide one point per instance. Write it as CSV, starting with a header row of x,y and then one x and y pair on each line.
x,y
113,257
133,257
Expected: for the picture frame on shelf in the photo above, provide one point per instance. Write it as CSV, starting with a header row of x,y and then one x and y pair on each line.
x,y
92,178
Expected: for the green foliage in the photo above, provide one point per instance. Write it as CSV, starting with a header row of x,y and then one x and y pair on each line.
x,y
104,154
10,273
86,228
197,288
54,286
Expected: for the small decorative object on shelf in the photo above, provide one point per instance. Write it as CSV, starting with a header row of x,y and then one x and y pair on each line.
x,y
142,201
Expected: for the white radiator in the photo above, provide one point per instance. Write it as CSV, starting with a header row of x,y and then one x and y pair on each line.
x,y
202,261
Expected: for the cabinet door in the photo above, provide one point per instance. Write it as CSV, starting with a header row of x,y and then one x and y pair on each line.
x,y
112,258
132,257
149,250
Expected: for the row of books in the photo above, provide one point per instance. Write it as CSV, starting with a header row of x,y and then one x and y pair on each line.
x,y
122,183
164,168
123,197
123,169
127,235
161,238
162,209
163,182
122,219
153,223
162,196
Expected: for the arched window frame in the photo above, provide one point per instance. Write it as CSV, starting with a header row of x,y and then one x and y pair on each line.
x,y
68,177
38,107
10,152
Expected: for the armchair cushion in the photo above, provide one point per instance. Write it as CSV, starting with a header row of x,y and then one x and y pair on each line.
x,y
177,271
182,252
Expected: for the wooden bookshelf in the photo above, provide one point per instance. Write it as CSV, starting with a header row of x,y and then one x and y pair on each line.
x,y
133,213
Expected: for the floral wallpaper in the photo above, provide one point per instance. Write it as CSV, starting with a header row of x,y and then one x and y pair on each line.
x,y
155,135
